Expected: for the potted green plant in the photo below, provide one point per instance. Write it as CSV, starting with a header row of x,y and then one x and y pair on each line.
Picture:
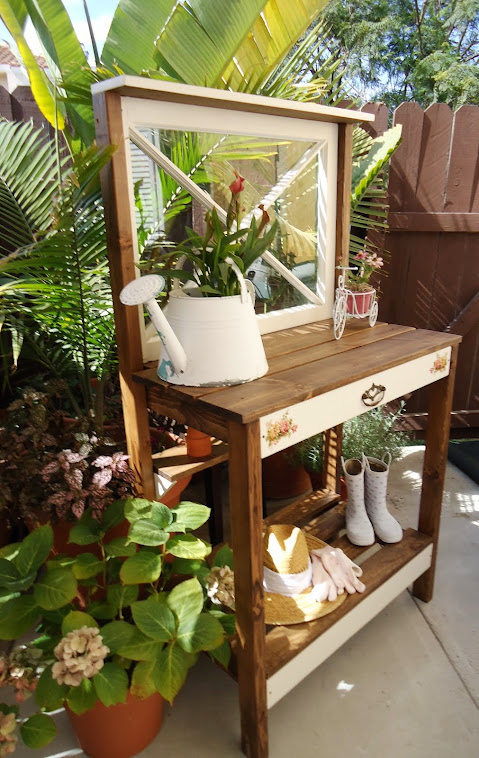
x,y
373,433
208,328
360,291
118,633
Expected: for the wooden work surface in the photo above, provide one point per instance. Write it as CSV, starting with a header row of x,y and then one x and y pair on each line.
x,y
304,362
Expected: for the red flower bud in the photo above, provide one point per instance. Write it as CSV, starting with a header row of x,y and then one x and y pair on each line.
x,y
264,218
238,185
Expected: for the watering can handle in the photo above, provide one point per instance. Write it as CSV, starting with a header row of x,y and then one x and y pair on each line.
x,y
245,292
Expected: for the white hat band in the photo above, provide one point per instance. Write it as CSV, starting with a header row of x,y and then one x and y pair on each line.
x,y
287,584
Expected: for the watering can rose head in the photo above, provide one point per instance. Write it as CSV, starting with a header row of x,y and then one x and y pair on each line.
x,y
223,245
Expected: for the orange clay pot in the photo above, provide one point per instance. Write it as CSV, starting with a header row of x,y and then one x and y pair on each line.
x,y
198,444
61,534
121,730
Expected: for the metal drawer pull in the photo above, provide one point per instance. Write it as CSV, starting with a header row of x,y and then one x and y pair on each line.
x,y
373,395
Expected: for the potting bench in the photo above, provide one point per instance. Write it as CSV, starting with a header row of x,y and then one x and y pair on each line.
x,y
314,384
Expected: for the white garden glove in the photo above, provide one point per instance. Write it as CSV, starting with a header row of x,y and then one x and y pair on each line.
x,y
324,587
344,573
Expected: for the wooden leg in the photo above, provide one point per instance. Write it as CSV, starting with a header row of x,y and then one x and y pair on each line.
x,y
435,458
333,442
246,532
135,413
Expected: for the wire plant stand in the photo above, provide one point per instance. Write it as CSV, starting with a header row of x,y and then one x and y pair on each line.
x,y
349,304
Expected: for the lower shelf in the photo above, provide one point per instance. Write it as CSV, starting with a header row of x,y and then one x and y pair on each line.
x,y
292,652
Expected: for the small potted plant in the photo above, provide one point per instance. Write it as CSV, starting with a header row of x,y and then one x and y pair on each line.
x,y
54,468
360,292
114,635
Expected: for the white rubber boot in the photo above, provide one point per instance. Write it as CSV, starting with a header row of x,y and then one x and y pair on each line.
x,y
358,525
376,481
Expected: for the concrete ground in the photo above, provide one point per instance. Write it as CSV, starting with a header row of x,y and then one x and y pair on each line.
x,y
406,686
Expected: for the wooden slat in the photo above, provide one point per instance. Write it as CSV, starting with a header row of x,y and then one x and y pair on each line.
x,y
284,643
461,188
328,525
174,463
182,408
436,140
404,166
298,384
433,222
467,318
343,202
303,510
332,447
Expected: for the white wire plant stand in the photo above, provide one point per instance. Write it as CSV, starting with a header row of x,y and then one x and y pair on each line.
x,y
349,304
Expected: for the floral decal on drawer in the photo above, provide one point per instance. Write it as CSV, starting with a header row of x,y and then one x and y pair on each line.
x,y
276,430
440,363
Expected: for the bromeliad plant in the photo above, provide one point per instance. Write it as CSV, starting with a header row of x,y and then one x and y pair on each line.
x,y
133,620
212,255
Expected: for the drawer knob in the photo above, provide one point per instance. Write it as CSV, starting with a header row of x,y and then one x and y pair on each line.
x,y
373,395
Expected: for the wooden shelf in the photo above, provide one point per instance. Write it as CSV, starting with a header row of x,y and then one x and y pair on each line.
x,y
175,464
387,573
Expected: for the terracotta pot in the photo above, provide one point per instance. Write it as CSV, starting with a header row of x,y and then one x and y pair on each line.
x,y
120,730
282,480
359,303
61,533
198,444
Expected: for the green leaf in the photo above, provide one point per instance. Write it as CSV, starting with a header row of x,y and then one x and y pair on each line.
x,y
201,633
161,515
111,684
365,171
142,682
48,693
34,550
102,610
116,635
227,620
190,516
188,566
154,619
137,508
82,698
187,546
186,600
55,589
84,534
86,566
224,557
37,731
120,548
120,596
222,654
113,516
75,620
140,647
11,579
10,551
141,568
145,532
17,616
171,669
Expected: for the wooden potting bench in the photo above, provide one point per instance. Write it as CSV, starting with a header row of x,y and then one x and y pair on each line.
x,y
314,384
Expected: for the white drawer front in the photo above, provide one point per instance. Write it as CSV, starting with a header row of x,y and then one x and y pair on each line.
x,y
297,422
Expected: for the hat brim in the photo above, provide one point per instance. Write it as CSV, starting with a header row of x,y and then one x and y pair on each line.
x,y
283,610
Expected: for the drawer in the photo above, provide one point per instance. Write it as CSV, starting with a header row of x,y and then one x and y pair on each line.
x,y
297,422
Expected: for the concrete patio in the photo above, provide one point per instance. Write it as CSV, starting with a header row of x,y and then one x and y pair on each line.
x,y
406,685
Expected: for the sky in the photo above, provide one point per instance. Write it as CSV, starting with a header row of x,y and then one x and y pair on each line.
x,y
101,13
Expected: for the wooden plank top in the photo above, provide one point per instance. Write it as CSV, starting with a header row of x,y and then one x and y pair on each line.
x,y
305,362
139,86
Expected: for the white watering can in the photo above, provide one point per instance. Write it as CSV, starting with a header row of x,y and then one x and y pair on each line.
x,y
207,341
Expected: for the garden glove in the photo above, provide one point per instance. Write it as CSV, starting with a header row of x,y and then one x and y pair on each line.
x,y
324,587
344,573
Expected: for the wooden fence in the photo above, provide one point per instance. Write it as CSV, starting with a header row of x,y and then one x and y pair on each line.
x,y
433,269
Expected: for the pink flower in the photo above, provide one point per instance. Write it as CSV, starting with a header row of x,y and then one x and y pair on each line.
x,y
238,185
361,256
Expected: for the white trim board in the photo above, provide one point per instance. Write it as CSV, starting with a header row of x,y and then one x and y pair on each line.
x,y
318,651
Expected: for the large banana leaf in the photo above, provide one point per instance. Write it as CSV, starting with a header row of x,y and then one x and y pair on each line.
x,y
273,34
367,168
200,37
13,16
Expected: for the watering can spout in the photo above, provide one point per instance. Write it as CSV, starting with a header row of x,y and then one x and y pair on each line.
x,y
144,291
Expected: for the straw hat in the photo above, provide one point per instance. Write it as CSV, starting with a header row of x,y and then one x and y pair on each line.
x,y
286,552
